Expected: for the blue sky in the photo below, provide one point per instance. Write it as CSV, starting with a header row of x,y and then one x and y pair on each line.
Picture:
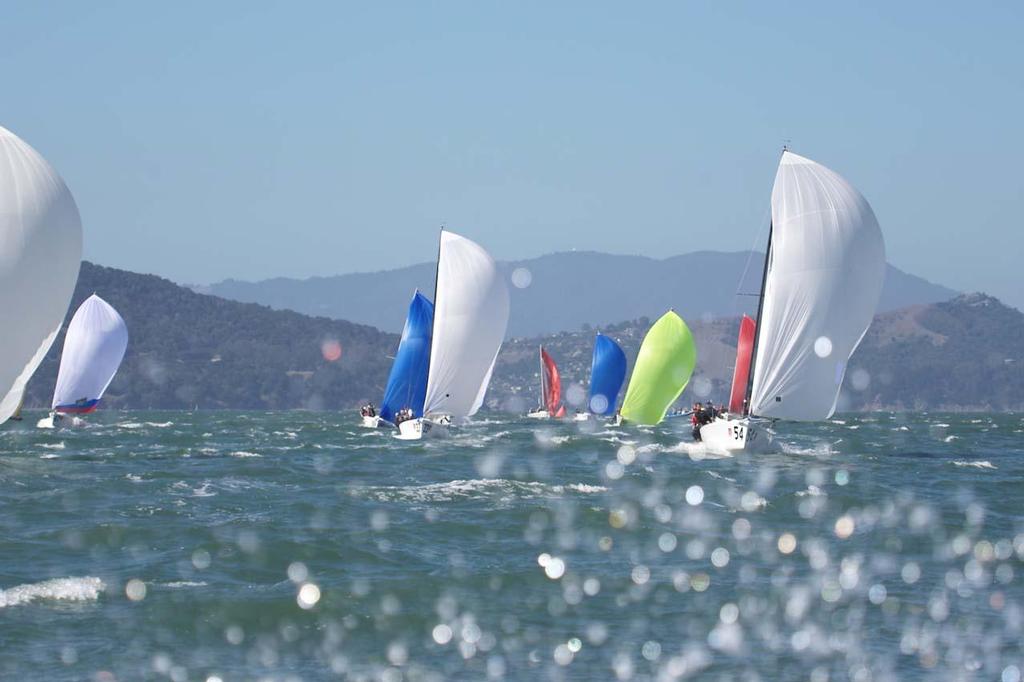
x,y
250,140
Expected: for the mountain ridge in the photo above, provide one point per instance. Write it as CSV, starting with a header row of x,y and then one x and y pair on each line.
x,y
563,291
189,350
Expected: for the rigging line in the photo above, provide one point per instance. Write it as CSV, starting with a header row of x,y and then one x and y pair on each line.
x,y
750,253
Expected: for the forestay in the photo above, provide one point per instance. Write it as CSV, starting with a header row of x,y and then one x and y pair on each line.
x,y
40,252
471,308
607,372
825,273
93,349
407,383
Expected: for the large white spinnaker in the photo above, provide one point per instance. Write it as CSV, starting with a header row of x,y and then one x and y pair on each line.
x,y
93,349
471,308
826,266
40,253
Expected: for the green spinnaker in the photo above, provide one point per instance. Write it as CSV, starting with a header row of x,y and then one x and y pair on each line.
x,y
663,368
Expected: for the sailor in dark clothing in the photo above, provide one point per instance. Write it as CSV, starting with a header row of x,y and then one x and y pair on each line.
x,y
697,420
403,415
368,410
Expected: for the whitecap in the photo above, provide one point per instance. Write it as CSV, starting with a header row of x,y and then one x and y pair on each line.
x,y
184,583
976,463
812,491
244,453
53,446
86,588
461,489
49,456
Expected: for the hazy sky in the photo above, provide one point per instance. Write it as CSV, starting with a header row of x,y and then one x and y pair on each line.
x,y
209,140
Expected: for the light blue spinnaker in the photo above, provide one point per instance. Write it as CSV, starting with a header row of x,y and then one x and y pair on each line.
x,y
407,383
607,372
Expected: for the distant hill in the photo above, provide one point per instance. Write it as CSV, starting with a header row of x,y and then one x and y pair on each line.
x,y
962,354
188,349
566,290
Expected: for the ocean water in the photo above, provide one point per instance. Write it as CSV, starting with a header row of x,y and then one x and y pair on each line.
x,y
298,546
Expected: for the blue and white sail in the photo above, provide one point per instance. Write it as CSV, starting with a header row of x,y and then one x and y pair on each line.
x,y
407,383
93,349
607,372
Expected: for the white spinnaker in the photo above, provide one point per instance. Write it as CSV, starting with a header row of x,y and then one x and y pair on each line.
x,y
825,276
471,307
93,349
40,252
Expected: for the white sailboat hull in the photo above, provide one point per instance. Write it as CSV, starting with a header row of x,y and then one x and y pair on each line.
x,y
581,417
538,414
418,429
372,422
741,434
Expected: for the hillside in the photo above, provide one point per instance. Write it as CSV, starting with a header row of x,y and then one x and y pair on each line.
x,y
962,354
565,291
186,349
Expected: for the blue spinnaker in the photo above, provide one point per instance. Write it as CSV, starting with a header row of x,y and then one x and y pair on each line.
x,y
407,383
607,373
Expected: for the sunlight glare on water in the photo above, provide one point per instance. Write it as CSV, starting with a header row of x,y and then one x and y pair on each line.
x,y
873,547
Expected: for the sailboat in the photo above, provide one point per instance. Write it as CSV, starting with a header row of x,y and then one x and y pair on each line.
x,y
93,349
550,390
607,373
471,308
663,367
823,274
407,382
40,252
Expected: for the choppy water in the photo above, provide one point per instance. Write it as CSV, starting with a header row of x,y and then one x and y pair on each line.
x,y
297,546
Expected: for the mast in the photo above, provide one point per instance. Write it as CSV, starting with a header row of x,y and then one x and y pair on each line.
x,y
757,323
433,318
543,382
760,306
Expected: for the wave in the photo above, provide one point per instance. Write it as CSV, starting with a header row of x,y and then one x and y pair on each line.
x,y
244,453
464,489
53,446
976,463
184,583
86,588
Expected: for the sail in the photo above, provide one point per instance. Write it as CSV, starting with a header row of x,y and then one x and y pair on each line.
x,y
663,367
741,373
471,307
40,251
93,349
551,382
407,383
825,272
607,372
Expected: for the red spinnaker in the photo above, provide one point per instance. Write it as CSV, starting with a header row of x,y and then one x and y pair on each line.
x,y
740,375
552,385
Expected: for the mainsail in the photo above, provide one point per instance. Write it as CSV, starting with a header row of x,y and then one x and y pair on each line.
x,y
741,373
551,384
607,372
407,383
93,349
40,252
825,268
471,307
663,367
